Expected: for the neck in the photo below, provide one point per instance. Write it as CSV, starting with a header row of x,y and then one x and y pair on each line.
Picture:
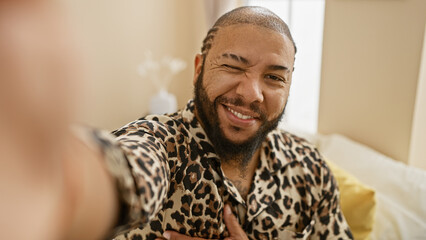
x,y
241,176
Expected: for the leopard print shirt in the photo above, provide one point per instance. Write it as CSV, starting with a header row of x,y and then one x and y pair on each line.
x,y
170,178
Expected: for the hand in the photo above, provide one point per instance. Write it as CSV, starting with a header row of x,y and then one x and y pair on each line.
x,y
45,170
36,73
231,222
236,232
33,118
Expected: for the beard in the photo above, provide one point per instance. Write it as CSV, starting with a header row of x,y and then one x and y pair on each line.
x,y
229,151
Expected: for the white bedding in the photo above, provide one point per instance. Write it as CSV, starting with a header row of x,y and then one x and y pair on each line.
x,y
400,189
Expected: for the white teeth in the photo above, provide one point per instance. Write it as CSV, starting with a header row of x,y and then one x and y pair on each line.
x,y
239,115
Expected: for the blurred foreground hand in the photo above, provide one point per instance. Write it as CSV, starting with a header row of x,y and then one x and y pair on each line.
x,y
46,176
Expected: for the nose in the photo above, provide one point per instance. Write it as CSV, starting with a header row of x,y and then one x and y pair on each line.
x,y
250,88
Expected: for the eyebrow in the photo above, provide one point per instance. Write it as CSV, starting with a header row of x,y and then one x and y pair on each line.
x,y
246,62
277,67
236,58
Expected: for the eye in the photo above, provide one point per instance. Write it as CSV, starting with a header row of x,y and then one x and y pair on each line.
x,y
275,78
231,67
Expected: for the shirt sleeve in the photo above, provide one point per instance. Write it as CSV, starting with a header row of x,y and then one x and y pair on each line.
x,y
137,159
330,222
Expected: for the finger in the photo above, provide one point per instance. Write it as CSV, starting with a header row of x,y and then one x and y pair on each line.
x,y
172,235
233,226
231,223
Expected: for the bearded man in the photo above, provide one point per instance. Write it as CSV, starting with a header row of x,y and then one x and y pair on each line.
x,y
218,169
193,170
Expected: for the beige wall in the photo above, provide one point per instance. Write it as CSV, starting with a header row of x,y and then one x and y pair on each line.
x,y
371,59
116,35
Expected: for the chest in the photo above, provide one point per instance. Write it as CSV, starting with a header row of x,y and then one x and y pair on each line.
x,y
262,203
198,193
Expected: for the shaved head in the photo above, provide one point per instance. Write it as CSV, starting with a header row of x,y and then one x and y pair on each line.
x,y
258,16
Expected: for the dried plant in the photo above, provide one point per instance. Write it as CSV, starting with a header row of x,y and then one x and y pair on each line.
x,y
160,73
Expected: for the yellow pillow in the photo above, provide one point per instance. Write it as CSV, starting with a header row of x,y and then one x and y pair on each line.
x,y
357,201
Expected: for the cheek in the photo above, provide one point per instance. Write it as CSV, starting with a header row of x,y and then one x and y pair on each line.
x,y
275,102
217,84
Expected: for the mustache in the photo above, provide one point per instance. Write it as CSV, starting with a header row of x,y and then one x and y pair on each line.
x,y
238,101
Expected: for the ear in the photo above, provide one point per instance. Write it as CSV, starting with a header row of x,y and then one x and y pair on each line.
x,y
198,64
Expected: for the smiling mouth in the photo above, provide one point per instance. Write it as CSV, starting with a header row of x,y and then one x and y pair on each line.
x,y
239,115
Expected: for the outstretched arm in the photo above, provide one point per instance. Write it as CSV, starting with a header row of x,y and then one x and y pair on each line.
x,y
52,186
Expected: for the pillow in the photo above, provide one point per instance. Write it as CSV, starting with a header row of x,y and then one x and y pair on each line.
x,y
357,201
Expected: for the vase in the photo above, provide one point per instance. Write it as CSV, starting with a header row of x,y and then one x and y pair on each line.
x,y
163,102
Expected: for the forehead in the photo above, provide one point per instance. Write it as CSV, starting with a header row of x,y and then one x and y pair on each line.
x,y
252,42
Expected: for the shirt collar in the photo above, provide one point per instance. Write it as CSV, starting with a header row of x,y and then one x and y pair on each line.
x,y
275,150
188,113
196,130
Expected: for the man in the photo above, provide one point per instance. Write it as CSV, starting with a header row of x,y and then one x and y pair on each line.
x,y
224,153
217,169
